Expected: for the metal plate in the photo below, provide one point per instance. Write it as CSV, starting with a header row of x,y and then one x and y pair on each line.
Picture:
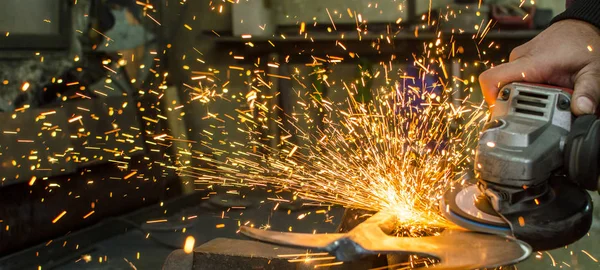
x,y
455,249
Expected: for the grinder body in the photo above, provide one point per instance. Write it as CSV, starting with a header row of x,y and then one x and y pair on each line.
x,y
522,144
524,140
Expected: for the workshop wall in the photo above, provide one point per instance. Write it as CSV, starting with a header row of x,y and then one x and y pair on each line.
x,y
13,12
556,6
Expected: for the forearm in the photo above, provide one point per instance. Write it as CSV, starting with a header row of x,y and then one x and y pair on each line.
x,y
583,10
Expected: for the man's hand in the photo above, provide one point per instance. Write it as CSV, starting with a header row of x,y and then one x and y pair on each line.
x,y
567,54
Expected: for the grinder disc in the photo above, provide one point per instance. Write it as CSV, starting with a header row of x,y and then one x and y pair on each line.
x,y
559,221
464,208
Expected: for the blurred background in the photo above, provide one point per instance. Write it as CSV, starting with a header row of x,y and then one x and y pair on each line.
x,y
102,100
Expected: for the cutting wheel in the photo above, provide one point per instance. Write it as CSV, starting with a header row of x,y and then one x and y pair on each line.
x,y
555,222
467,207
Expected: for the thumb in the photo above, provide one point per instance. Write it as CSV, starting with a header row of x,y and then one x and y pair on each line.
x,y
586,94
519,70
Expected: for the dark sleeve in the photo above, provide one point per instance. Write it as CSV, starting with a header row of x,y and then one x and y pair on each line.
x,y
583,10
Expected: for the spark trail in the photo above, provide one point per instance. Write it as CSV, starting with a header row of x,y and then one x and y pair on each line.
x,y
395,153
391,148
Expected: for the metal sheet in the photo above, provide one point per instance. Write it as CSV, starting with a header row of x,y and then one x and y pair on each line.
x,y
455,249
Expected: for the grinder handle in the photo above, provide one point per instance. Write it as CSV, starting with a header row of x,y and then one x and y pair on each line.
x,y
582,152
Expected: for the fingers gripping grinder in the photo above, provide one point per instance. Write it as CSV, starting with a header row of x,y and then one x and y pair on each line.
x,y
533,164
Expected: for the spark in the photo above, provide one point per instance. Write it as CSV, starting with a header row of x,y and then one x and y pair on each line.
x,y
279,76
154,20
32,180
86,258
130,175
331,18
59,216
589,255
89,214
188,246
328,264
521,221
307,260
74,119
100,33
293,151
156,221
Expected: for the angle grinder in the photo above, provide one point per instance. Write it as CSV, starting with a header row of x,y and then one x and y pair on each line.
x,y
533,164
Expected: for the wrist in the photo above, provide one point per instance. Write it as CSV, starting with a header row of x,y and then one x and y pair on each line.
x,y
583,10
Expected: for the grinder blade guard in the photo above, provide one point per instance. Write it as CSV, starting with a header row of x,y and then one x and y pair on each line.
x,y
529,181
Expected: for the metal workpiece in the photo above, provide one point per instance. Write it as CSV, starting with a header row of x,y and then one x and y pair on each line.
x,y
452,249
226,253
